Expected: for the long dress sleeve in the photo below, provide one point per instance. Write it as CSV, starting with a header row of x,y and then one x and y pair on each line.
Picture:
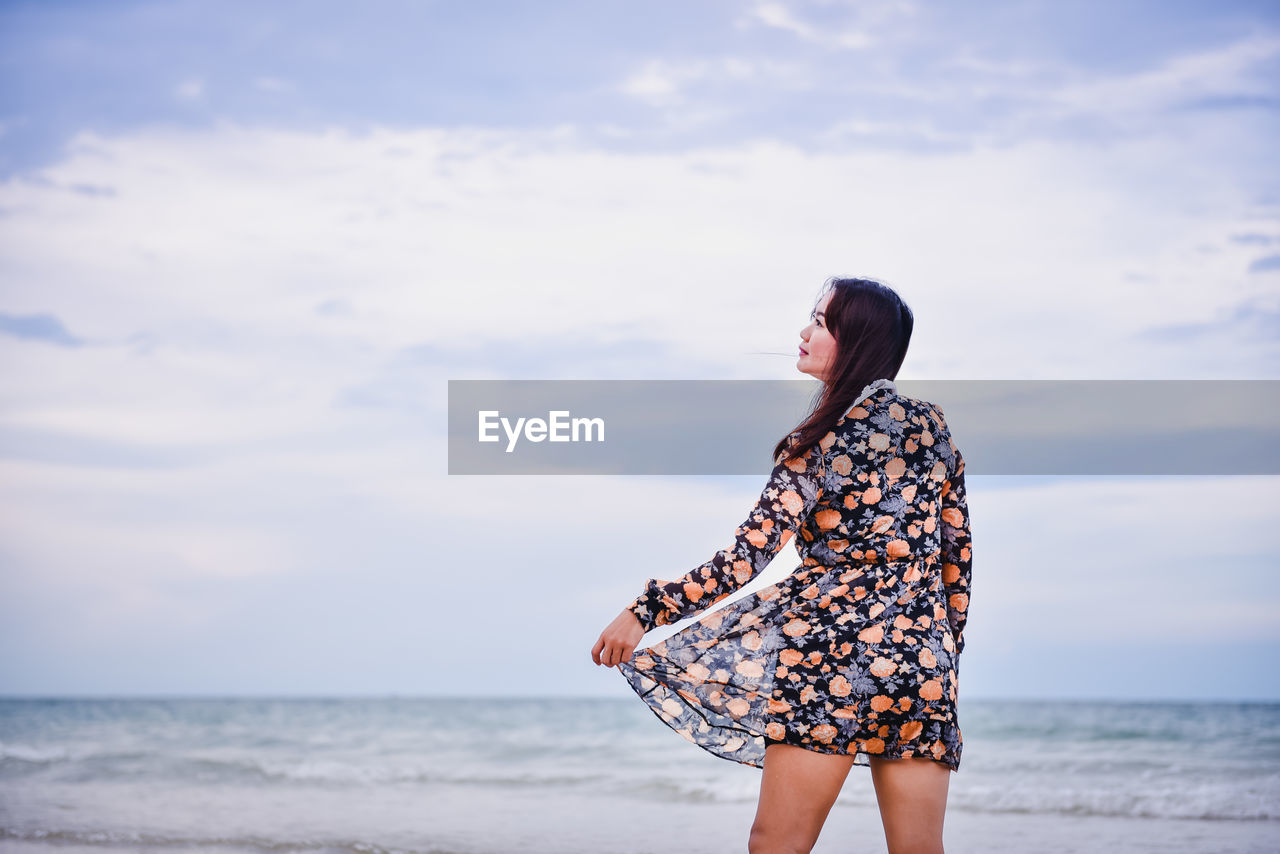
x,y
957,553
789,496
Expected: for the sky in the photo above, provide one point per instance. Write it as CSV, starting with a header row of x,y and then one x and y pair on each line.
x,y
245,246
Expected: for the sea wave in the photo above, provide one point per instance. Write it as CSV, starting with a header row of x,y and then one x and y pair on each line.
x,y
116,838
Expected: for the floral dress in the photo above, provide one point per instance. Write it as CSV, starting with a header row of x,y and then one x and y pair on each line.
x,y
856,651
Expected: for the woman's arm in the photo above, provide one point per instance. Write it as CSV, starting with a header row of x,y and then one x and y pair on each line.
x,y
788,498
957,553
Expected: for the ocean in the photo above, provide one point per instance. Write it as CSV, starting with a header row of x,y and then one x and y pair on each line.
x,y
599,776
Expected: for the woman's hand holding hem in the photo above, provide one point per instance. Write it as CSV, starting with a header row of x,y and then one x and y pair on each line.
x,y
619,640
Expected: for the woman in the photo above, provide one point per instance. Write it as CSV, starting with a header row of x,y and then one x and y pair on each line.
x,y
852,658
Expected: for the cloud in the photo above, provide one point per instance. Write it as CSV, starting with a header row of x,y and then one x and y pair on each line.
x,y
38,327
780,17
661,82
1235,70
191,89
336,307
1255,319
839,26
273,84
1267,264
1253,239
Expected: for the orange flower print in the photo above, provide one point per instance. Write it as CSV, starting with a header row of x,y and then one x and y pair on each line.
x,y
878,441
953,517
871,495
840,687
824,733
931,690
749,668
842,465
775,731
827,519
795,628
902,622
752,641
738,707
883,667
693,590
790,657
882,524
910,730
881,703
791,502
873,745
898,548
872,634
927,658
895,468
959,601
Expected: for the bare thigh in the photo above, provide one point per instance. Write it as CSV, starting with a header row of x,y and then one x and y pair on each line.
x,y
797,790
912,794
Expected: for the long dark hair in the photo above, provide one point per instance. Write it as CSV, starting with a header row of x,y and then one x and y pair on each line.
x,y
872,327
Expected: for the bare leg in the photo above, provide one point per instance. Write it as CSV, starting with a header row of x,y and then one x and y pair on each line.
x,y
912,794
796,793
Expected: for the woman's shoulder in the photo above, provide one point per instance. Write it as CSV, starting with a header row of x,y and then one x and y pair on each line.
x,y
887,406
889,419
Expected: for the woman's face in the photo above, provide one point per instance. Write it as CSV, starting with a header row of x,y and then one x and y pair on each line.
x,y
817,347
